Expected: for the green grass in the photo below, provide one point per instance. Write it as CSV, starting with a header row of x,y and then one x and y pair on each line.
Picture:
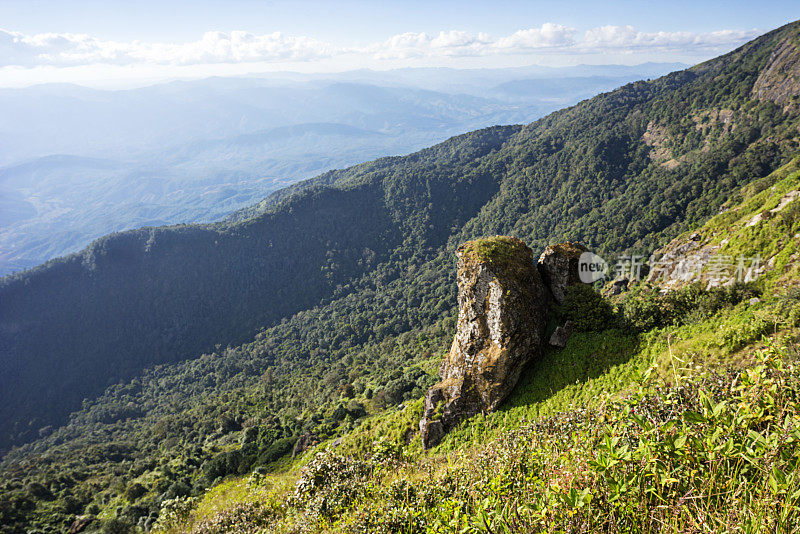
x,y
400,428
197,514
711,452
596,370
591,363
690,426
772,239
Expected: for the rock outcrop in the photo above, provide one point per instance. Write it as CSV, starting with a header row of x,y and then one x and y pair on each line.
x,y
304,442
779,80
558,266
80,523
501,321
561,335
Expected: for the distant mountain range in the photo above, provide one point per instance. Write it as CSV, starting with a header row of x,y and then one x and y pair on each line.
x,y
77,163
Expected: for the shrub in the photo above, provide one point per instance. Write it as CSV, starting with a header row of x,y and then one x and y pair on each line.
x,y
134,491
116,526
645,307
277,449
178,489
245,518
586,308
329,483
222,465
174,512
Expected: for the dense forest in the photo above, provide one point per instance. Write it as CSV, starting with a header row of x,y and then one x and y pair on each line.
x,y
335,299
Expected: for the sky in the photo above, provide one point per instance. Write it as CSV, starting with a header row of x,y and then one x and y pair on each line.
x,y
128,43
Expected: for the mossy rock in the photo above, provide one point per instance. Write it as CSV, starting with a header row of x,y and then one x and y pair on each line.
x,y
505,253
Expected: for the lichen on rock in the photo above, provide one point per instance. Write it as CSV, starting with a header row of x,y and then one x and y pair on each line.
x,y
501,320
558,266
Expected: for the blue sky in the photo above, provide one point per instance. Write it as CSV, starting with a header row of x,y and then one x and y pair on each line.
x,y
82,40
372,20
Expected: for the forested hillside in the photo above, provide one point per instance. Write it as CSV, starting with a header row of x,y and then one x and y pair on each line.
x,y
158,295
337,298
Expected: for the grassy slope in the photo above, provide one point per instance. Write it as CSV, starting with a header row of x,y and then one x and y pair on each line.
x,y
593,366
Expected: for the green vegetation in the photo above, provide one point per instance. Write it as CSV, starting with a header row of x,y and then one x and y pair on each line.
x,y
371,246
716,451
638,421
586,309
506,253
646,307
204,352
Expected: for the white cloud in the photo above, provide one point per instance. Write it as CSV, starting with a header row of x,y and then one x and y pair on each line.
x,y
460,43
47,48
69,49
239,47
548,36
627,37
414,45
236,47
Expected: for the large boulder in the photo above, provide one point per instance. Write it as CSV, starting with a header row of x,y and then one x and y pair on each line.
x,y
501,323
558,266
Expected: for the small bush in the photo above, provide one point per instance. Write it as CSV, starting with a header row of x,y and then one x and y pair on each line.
x,y
587,309
134,491
116,526
174,512
246,517
329,483
645,307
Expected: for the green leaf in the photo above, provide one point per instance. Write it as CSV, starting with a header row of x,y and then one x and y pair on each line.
x,y
694,417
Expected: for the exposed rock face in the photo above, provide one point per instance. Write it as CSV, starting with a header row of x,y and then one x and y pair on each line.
x,y
561,335
80,524
305,442
501,320
779,81
558,266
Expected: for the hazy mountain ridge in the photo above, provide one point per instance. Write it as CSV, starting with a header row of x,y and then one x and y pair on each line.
x,y
186,152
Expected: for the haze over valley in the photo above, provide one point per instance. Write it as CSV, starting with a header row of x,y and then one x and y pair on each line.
x,y
77,163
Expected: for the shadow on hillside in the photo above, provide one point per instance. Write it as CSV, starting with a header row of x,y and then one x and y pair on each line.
x,y
588,355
